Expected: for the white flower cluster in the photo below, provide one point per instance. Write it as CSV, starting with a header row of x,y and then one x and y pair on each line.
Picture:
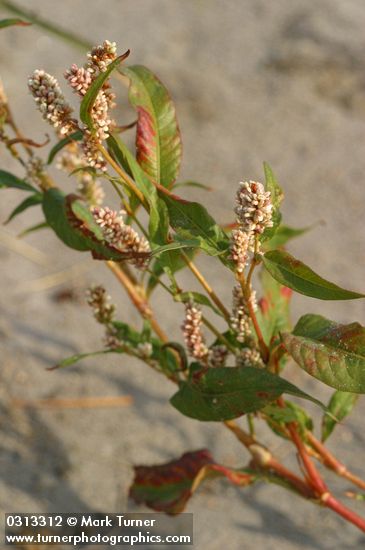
x,y
240,319
51,102
253,215
249,357
192,330
253,207
240,243
217,356
122,236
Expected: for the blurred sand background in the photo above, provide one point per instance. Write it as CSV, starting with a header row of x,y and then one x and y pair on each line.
x,y
253,80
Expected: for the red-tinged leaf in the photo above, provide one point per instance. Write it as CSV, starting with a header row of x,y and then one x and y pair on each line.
x,y
330,352
13,22
168,487
158,141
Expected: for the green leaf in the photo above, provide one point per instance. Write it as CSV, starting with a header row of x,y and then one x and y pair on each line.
x,y
159,223
163,356
170,264
55,211
292,273
9,180
32,229
197,298
92,92
158,141
193,184
332,353
73,359
277,196
81,218
192,221
273,313
279,417
76,136
13,21
340,405
283,234
33,200
175,245
168,487
71,220
224,393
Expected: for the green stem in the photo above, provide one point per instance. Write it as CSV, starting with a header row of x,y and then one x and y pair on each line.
x,y
251,426
32,17
200,277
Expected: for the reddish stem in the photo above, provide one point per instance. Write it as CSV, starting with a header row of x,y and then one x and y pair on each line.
x,y
314,477
330,501
331,461
298,483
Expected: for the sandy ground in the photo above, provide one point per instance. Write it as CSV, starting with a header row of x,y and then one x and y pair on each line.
x,y
253,80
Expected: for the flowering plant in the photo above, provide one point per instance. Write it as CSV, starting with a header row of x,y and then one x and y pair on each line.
x,y
236,372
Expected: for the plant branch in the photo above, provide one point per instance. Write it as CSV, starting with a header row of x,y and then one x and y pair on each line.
x,y
206,286
264,460
127,180
329,460
246,289
138,301
331,502
316,482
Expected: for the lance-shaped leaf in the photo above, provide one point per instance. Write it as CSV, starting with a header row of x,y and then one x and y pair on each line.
x,y
73,359
340,406
130,339
272,185
173,263
168,487
273,314
192,221
277,417
13,21
197,298
55,211
158,140
33,200
76,136
175,245
224,393
71,220
190,183
81,218
332,353
32,229
291,272
92,92
9,180
158,224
